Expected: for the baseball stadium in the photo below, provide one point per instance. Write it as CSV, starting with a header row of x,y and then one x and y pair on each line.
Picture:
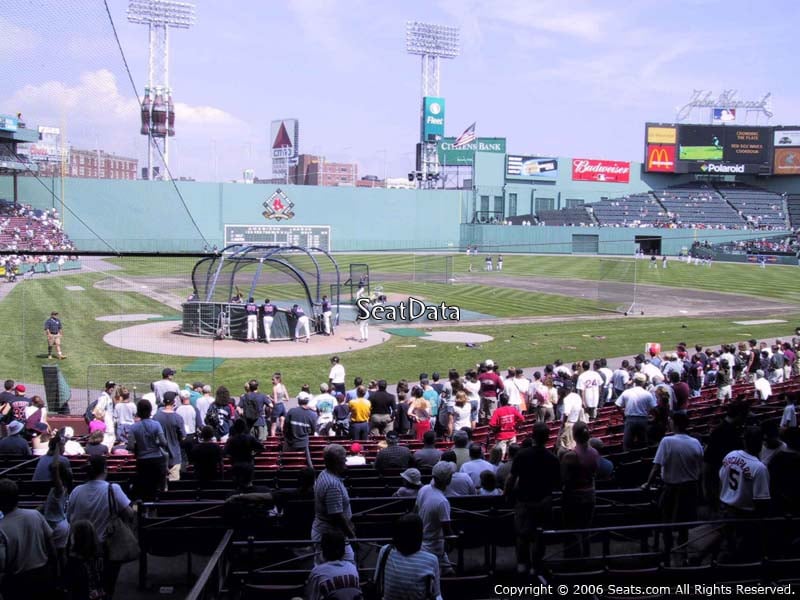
x,y
514,375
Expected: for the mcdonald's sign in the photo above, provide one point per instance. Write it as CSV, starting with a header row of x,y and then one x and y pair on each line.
x,y
660,159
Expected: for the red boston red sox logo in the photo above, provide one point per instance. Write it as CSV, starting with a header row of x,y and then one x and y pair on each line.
x,y
278,206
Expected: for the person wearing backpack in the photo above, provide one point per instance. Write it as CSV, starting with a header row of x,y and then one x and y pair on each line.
x,y
220,415
252,404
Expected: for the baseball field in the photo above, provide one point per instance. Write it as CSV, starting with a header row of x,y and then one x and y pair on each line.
x,y
537,309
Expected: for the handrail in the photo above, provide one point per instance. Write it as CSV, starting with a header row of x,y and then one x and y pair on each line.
x,y
18,465
200,589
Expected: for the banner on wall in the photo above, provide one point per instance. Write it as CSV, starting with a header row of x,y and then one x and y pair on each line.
x,y
604,171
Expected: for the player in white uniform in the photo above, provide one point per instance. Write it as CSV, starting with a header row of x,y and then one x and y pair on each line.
x,y
303,326
251,308
269,316
363,324
589,385
326,314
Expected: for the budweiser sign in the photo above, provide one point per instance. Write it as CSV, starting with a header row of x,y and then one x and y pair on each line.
x,y
608,171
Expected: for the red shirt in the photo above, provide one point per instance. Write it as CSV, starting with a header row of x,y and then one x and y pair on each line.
x,y
506,418
490,383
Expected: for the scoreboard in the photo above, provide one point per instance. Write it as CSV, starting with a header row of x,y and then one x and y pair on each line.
x,y
306,236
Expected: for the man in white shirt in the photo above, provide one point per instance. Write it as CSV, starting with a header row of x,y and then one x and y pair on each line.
x,y
679,459
164,385
651,371
636,403
608,387
572,407
744,493
151,398
620,379
763,386
337,375
204,402
189,415
589,386
517,387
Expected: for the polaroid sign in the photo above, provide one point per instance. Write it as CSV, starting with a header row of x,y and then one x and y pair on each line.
x,y
721,168
432,119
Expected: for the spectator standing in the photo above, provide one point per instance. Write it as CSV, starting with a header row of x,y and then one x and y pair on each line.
x,y
164,385
589,385
147,442
332,512
206,457
28,550
404,571
783,481
124,415
190,417
172,425
491,386
535,475
433,509
97,501
220,414
301,423
762,386
679,460
254,405
505,421
419,413
578,469
572,413
636,403
325,404
240,449
384,406
359,415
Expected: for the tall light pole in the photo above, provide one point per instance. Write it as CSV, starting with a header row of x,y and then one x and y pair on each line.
x,y
158,110
432,43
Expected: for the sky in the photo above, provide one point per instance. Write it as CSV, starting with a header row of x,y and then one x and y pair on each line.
x,y
556,78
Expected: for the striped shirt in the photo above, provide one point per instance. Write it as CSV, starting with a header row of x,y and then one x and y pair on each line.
x,y
409,577
330,498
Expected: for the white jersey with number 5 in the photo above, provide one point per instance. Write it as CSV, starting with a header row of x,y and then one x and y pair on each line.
x,y
743,478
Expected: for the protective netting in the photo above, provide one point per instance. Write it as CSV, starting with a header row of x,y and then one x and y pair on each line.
x,y
616,284
432,268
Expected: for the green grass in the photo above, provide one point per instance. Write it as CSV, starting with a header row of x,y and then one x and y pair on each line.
x,y
700,153
497,301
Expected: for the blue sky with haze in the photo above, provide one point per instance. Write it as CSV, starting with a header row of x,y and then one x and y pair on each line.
x,y
555,77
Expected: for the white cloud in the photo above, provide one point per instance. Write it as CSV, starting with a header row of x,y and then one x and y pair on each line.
x,y
96,113
15,41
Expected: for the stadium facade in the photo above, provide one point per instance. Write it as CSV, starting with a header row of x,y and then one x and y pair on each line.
x,y
150,216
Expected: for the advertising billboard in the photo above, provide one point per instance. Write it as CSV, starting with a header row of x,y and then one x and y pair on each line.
x,y
8,123
660,158
604,171
531,167
659,134
786,137
432,118
701,142
747,144
284,138
787,161
450,156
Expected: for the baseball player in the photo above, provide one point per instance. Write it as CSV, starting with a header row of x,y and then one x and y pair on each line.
x,y
302,323
54,329
269,316
251,308
326,314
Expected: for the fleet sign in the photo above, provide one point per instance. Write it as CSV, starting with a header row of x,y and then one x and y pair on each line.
x,y
605,171
432,118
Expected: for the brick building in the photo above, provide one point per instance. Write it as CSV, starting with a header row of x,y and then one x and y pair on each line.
x,y
93,164
315,170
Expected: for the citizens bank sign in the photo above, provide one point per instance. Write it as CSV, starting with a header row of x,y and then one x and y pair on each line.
x,y
464,155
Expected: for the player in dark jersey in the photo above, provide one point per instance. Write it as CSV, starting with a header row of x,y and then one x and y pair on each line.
x,y
269,311
302,323
251,308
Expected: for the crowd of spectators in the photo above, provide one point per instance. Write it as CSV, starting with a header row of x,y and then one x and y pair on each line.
x,y
174,433
24,229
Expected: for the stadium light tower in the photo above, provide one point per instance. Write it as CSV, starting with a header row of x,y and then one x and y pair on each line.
x,y
432,43
158,110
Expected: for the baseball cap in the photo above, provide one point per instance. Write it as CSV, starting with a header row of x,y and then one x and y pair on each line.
x,y
69,433
355,447
14,428
489,362
54,313
110,384
760,373
392,436
443,471
169,397
640,378
167,372
20,387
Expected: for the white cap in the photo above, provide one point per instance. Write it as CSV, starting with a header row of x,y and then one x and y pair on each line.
x,y
489,363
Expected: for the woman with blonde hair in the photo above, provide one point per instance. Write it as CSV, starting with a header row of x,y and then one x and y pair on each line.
x,y
419,413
